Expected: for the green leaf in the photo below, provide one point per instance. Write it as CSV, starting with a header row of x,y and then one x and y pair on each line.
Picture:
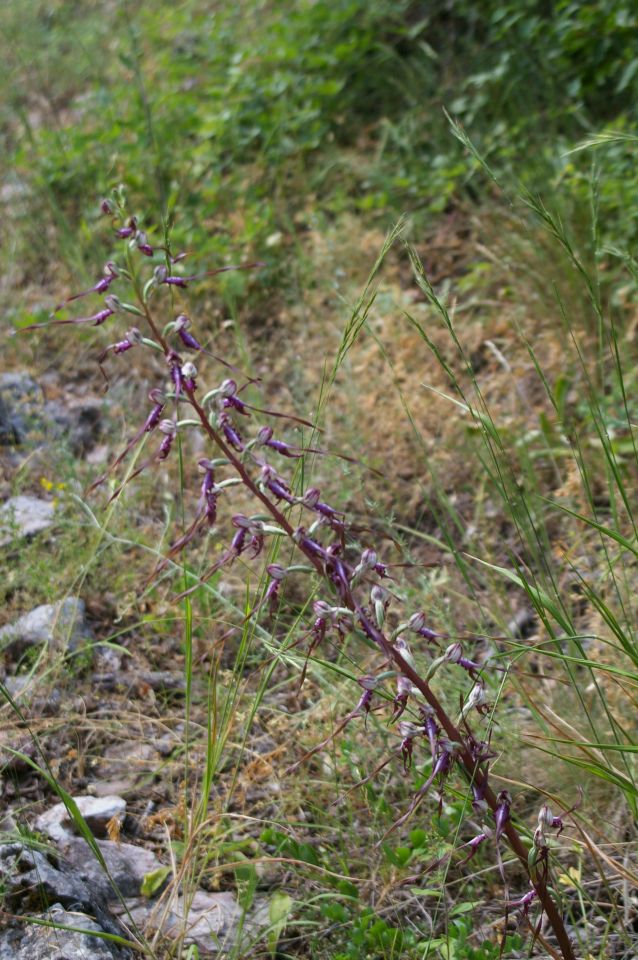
x,y
418,838
279,910
153,881
246,879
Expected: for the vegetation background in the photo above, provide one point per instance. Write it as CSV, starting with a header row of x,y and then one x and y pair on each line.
x,y
444,198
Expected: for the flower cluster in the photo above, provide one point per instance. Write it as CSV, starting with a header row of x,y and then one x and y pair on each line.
x,y
357,595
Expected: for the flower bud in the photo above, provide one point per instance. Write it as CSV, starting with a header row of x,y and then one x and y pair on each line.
x,y
311,497
407,729
416,621
241,521
168,427
134,335
540,841
477,696
545,816
113,303
369,558
160,273
107,207
453,653
322,609
368,682
378,594
228,388
276,571
401,646
264,434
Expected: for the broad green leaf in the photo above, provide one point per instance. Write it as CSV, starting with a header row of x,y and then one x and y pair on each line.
x,y
153,881
279,910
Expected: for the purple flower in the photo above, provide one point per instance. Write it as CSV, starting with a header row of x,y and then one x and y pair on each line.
x,y
479,803
408,732
125,232
159,401
502,813
231,434
547,819
404,689
275,484
247,527
525,902
143,245
209,491
431,728
265,439
277,575
474,844
309,546
181,324
133,338
111,273
416,624
311,499
184,281
189,372
169,429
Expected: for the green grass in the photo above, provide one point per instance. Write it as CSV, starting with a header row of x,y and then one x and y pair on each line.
x,y
494,397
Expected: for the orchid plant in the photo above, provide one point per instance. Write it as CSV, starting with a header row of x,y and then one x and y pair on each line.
x,y
357,596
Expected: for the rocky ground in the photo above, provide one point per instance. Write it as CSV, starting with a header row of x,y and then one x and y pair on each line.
x,y
67,880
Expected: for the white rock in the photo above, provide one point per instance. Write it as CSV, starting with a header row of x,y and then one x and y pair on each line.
x,y
23,516
44,942
209,920
62,624
57,824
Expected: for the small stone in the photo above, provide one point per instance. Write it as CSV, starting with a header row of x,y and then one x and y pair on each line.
x,y
16,686
127,864
29,881
59,625
26,419
57,823
39,942
24,516
213,921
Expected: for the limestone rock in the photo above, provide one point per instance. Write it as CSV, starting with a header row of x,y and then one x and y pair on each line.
x,y
27,419
30,880
38,942
126,863
58,625
24,516
97,811
212,921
